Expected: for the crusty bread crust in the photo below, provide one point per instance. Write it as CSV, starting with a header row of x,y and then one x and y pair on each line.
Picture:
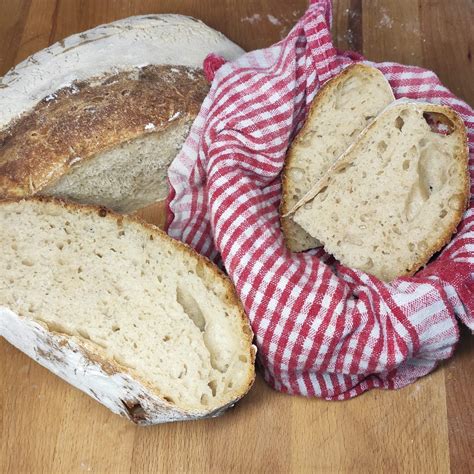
x,y
79,122
287,225
87,367
463,157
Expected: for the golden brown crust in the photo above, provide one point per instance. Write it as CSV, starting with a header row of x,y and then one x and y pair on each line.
x,y
286,223
94,352
93,116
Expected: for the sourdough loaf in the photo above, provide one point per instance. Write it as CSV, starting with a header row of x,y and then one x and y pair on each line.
x,y
98,117
396,195
135,319
340,111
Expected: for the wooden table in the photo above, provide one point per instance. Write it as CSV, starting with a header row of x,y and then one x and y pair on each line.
x,y
47,426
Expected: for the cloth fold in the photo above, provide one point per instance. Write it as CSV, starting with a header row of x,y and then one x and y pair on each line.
x,y
322,329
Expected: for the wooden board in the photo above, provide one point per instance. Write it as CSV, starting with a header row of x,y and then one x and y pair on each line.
x,y
47,426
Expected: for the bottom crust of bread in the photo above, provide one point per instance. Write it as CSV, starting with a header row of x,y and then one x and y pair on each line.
x,y
96,377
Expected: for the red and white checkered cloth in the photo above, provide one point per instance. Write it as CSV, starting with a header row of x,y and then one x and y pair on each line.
x,y
322,329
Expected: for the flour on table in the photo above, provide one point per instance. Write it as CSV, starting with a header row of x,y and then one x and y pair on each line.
x,y
273,20
255,18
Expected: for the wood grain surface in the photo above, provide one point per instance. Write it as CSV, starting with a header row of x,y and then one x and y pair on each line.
x,y
48,426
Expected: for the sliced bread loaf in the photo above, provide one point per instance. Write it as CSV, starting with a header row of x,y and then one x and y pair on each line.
x,y
340,111
135,319
398,193
98,117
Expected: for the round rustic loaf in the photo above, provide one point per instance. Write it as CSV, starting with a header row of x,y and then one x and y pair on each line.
x,y
99,116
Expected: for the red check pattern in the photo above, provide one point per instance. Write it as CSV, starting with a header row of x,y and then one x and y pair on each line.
x,y
322,329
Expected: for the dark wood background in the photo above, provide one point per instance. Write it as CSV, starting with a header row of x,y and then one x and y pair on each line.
x,y
47,426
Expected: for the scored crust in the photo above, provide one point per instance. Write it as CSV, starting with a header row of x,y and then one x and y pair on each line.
x,y
81,121
287,225
351,154
86,366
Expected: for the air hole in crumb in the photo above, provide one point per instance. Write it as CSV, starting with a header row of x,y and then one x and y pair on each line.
x,y
125,92
204,399
243,358
27,262
382,146
399,122
411,246
443,213
121,233
33,134
115,328
166,338
439,123
183,372
151,237
213,386
406,165
60,245
102,212
190,307
230,384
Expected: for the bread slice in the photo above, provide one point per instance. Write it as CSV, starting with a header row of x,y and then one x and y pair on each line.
x,y
98,117
398,193
340,111
114,306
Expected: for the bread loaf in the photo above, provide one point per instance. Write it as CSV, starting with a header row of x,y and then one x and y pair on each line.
x,y
98,117
396,195
135,319
340,111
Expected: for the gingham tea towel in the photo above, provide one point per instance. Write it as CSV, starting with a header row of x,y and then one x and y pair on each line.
x,y
322,329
